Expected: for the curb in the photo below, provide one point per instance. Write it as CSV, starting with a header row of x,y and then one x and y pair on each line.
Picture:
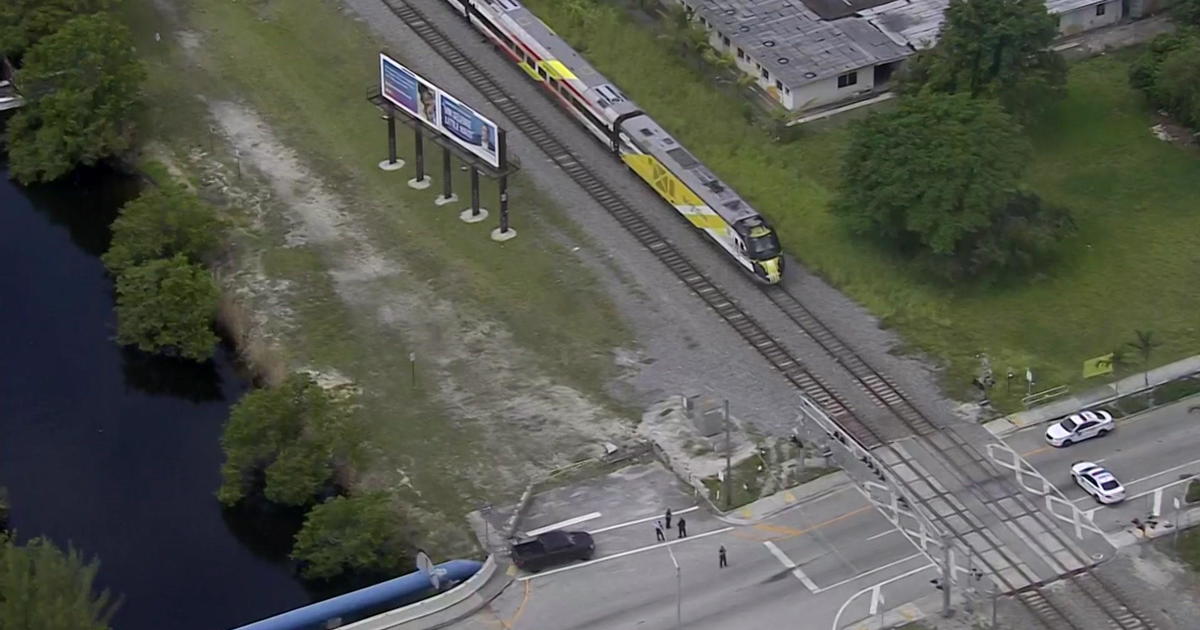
x,y
446,608
840,485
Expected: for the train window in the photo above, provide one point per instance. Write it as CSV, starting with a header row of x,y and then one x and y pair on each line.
x,y
496,31
587,113
741,54
542,71
766,75
683,158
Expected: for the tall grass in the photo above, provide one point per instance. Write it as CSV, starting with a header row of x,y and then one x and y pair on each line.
x,y
1136,200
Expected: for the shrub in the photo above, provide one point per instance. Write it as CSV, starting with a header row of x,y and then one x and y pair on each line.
x,y
167,306
1193,492
162,222
1170,392
291,439
350,534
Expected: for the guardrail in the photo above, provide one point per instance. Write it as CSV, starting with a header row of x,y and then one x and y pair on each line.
x,y
1044,395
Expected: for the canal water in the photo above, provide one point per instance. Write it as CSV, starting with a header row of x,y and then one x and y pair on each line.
x,y
111,450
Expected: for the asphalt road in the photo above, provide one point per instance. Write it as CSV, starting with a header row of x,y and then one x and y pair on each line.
x,y
1151,454
832,557
807,560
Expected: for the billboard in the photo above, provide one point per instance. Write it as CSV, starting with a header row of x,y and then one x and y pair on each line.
x,y
443,113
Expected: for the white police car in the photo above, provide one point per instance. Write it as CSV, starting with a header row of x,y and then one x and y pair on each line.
x,y
1080,426
1098,482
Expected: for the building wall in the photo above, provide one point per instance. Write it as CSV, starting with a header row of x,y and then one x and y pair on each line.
x,y
1085,18
800,98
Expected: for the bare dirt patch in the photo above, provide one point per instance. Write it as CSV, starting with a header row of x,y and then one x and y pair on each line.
x,y
489,385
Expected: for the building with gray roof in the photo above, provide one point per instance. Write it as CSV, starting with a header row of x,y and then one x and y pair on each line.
x,y
811,53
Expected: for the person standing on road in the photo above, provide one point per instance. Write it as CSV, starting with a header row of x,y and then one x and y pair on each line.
x,y
668,518
682,528
658,531
721,555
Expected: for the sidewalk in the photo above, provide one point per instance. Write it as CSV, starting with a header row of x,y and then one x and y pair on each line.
x,y
1126,386
767,507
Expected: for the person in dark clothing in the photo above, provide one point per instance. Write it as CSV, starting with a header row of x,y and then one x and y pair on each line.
x,y
668,518
658,531
682,528
721,555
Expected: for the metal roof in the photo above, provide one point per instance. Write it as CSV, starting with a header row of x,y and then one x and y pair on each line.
x,y
917,22
1062,6
834,9
793,43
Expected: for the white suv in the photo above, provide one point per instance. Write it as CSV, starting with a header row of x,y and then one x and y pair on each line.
x,y
1080,426
1098,482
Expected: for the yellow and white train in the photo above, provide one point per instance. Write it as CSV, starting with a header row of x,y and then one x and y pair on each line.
x,y
645,147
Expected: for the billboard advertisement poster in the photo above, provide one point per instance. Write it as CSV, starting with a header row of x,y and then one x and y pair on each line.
x,y
441,112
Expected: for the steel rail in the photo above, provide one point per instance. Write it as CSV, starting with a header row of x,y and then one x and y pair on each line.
x,y
888,395
779,356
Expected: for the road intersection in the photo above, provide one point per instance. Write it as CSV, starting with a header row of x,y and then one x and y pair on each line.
x,y
829,558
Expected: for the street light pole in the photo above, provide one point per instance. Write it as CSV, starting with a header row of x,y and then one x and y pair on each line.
x,y
947,577
678,590
1178,525
728,460
995,593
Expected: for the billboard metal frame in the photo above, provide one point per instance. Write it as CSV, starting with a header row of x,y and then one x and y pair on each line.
x,y
440,111
464,132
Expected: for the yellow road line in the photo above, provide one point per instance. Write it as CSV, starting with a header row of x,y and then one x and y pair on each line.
x,y
791,532
520,609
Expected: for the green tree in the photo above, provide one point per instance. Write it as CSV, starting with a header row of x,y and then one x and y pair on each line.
x,y
167,306
350,534
292,438
162,222
24,22
1177,84
1186,12
1145,344
996,49
82,84
939,177
42,588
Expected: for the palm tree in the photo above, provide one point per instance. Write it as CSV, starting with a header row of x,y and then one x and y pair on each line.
x,y
1145,345
1116,361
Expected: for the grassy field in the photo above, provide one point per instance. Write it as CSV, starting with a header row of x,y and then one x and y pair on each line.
x,y
261,54
1132,266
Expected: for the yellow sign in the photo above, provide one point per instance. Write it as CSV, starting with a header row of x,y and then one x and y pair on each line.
x,y
1098,366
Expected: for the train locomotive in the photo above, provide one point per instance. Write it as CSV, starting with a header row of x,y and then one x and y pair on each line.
x,y
644,146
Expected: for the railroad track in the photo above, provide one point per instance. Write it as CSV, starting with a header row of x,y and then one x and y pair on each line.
x,y
1035,597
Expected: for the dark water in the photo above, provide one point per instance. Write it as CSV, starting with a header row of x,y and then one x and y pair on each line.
x,y
109,449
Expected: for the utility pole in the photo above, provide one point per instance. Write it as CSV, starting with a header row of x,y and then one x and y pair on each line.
x,y
678,590
947,577
728,460
1178,525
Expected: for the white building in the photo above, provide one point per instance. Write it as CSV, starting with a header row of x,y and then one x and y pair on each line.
x,y
810,53
801,59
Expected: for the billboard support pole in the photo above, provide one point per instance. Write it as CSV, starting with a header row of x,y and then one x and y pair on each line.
x,y
447,195
391,164
421,181
474,214
503,233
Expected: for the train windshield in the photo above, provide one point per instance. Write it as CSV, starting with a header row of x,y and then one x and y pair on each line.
x,y
764,246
